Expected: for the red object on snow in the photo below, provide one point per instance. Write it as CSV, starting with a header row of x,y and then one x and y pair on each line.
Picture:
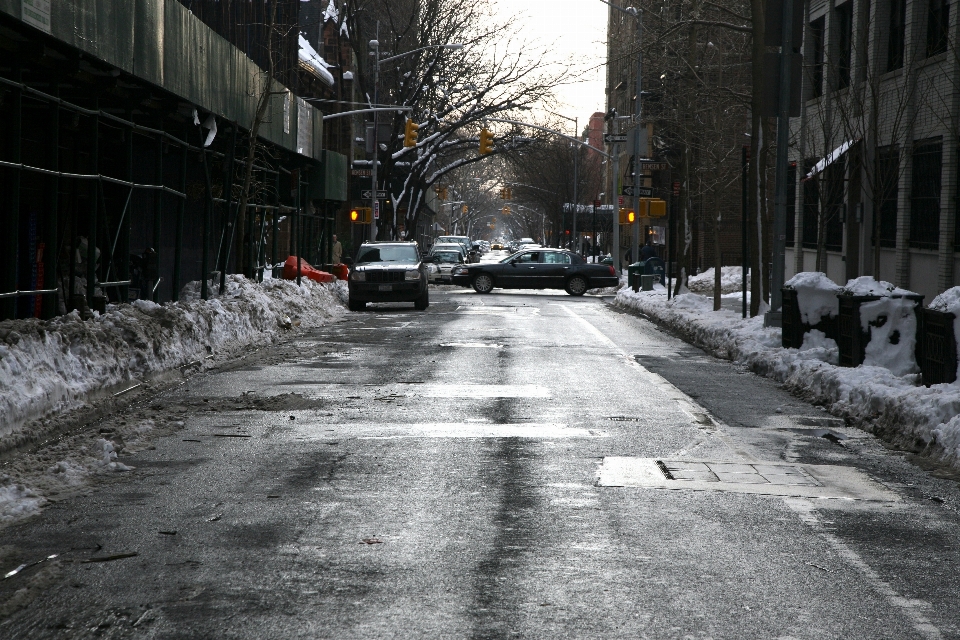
x,y
306,271
342,271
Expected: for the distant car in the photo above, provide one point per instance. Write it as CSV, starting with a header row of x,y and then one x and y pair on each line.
x,y
537,269
449,246
464,241
496,246
388,272
445,260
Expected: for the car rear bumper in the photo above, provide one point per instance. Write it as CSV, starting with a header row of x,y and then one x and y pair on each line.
x,y
386,292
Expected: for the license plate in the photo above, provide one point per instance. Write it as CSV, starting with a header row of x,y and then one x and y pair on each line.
x,y
386,287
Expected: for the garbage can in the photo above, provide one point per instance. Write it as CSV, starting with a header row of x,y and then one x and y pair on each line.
x,y
655,267
646,282
633,275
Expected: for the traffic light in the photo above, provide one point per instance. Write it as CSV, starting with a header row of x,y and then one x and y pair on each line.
x,y
441,193
653,208
506,211
486,142
410,133
628,216
361,215
503,193
464,209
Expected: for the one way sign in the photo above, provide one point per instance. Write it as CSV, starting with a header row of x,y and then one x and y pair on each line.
x,y
366,195
642,192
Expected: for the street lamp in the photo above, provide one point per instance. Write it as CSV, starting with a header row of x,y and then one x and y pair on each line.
x,y
576,177
375,45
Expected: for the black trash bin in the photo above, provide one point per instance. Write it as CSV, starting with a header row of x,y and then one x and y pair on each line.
x,y
938,357
852,340
794,328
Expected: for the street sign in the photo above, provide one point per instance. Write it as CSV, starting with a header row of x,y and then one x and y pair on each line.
x,y
596,203
620,201
676,187
643,192
376,210
610,137
653,166
363,173
366,195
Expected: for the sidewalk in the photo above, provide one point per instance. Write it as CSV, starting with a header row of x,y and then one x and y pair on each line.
x,y
899,409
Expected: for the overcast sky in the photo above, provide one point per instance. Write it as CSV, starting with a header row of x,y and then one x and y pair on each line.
x,y
575,30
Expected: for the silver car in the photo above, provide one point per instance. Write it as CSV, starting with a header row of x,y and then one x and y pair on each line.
x,y
444,260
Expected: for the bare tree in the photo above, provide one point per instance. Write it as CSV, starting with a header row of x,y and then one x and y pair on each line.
x,y
452,94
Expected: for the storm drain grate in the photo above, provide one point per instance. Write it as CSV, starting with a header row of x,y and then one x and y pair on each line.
x,y
735,473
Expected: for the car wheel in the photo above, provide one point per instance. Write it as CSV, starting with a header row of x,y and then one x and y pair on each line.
x,y
355,305
482,283
576,286
423,301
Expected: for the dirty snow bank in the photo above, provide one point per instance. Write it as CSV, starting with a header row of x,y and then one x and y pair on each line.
x,y
896,407
52,365
731,280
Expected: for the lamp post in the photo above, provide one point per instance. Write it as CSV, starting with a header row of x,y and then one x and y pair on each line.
x,y
375,45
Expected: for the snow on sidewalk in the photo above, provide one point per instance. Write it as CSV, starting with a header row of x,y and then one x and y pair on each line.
x,y
52,365
47,367
898,408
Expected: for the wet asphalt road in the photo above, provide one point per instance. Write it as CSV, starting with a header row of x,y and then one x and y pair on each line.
x,y
434,475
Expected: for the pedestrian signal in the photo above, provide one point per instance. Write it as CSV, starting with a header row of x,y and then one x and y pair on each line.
x,y
361,215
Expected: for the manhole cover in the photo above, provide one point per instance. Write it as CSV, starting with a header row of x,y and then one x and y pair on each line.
x,y
764,478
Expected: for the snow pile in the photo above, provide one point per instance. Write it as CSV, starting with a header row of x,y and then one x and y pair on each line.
x,y
816,296
731,280
896,407
867,286
53,365
309,56
17,501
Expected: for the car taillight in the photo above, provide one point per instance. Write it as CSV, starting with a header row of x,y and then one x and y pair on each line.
x,y
613,271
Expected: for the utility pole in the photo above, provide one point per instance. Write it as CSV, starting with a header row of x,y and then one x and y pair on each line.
x,y
774,317
639,138
374,202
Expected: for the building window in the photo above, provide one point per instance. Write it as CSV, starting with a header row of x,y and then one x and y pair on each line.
x,y
791,203
896,34
844,24
811,207
817,30
925,195
887,190
937,18
835,175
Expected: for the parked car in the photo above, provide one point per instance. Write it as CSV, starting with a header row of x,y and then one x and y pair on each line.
x,y
537,269
388,272
444,260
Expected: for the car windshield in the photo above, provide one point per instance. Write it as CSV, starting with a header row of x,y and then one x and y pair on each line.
x,y
404,254
447,256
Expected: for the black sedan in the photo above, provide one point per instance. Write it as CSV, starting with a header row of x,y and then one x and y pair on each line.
x,y
537,269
